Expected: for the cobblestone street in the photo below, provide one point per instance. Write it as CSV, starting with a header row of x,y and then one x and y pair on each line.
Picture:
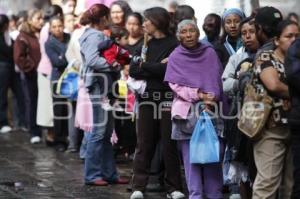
x,y
39,172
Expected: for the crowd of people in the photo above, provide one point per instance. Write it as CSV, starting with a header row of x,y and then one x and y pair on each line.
x,y
143,81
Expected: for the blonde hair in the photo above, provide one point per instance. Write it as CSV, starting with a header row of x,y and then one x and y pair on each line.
x,y
26,26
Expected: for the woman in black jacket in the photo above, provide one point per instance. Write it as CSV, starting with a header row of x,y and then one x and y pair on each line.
x,y
154,111
6,71
292,67
56,47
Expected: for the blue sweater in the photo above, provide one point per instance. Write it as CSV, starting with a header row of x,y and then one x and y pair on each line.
x,y
93,63
56,51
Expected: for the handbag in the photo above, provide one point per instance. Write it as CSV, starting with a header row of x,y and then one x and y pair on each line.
x,y
255,111
67,85
204,144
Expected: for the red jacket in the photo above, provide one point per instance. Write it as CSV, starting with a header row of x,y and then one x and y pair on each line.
x,y
116,54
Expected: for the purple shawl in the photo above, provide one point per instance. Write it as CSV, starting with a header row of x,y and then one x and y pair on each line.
x,y
197,68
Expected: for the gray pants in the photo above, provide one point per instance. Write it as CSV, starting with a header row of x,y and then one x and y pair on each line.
x,y
273,159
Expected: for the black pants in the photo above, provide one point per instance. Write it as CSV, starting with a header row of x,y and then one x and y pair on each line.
x,y
126,132
30,89
151,126
295,135
11,80
61,112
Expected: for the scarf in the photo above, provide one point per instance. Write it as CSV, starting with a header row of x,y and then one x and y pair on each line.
x,y
197,68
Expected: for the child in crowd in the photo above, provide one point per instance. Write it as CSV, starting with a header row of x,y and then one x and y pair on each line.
x,y
116,56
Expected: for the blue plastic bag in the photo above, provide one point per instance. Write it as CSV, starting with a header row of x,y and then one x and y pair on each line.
x,y
67,85
204,144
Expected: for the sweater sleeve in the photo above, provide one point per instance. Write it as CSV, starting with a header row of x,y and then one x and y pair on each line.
x,y
157,70
21,56
91,53
136,72
185,93
58,60
229,82
71,50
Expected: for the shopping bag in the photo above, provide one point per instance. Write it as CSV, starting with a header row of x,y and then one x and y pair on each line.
x,y
84,109
67,85
204,143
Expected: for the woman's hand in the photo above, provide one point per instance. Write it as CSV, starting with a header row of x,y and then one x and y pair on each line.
x,y
207,98
164,61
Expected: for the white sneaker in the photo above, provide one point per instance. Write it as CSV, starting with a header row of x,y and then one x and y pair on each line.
x,y
5,129
35,140
137,195
175,195
235,196
106,106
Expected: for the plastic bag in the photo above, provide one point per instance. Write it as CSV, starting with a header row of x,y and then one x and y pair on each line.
x,y
204,144
67,84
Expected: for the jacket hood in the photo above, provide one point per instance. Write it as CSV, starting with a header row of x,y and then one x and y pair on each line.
x,y
87,33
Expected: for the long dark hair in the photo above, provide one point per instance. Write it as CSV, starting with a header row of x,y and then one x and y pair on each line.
x,y
160,18
53,10
136,15
94,14
124,6
4,21
282,25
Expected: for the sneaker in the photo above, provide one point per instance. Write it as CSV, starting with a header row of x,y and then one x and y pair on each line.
x,y
137,195
5,129
24,129
175,195
235,196
35,140
106,106
71,150
118,108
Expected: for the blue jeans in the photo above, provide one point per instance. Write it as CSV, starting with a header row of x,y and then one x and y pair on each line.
x,y
82,151
99,159
30,90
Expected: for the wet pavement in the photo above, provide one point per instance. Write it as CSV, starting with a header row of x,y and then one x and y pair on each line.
x,y
39,172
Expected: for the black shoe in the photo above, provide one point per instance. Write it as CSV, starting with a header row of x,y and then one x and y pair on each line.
x,y
61,147
50,143
71,150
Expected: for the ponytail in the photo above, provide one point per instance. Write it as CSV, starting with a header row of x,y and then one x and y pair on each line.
x,y
94,14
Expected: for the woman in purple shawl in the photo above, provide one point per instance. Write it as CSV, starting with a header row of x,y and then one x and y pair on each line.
x,y
194,74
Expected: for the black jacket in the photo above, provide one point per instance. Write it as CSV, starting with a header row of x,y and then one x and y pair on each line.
x,y
153,71
292,67
6,52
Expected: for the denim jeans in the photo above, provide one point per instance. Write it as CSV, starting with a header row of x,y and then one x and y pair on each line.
x,y
74,133
82,151
29,84
99,159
